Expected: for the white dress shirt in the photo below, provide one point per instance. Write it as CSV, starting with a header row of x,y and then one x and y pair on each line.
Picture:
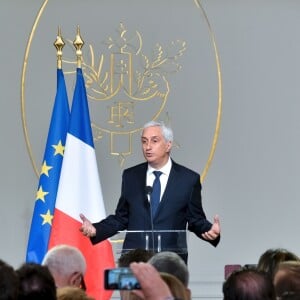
x,y
166,169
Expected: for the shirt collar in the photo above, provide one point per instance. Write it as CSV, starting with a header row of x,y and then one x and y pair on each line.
x,y
166,169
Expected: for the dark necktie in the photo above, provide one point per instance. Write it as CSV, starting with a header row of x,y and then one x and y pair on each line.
x,y
155,195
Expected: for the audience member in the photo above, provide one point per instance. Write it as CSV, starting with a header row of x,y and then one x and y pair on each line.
x,y
8,282
35,282
172,263
176,287
269,260
178,290
287,280
135,255
124,261
248,284
153,287
72,293
67,265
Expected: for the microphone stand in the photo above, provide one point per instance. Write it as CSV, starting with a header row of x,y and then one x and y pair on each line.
x,y
148,193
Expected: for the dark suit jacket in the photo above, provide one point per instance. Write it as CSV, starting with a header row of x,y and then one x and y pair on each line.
x,y
180,208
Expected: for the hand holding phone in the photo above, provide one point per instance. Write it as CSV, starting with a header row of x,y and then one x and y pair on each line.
x,y
120,279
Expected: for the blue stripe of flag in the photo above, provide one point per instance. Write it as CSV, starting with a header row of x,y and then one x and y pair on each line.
x,y
80,123
39,232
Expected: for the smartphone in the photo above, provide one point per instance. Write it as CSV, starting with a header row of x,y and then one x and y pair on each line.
x,y
120,279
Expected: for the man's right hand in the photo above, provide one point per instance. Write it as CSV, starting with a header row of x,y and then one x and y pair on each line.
x,y
87,227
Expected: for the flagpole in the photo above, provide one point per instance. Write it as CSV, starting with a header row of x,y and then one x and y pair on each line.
x,y
59,44
78,44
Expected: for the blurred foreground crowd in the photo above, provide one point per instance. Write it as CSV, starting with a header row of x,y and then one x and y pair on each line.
x,y
162,276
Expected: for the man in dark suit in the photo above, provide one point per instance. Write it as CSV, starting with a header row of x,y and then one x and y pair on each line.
x,y
179,204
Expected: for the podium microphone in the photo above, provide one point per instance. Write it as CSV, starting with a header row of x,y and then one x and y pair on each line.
x,y
148,191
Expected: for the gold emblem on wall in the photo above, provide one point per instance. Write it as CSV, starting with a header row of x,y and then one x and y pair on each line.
x,y
126,83
130,84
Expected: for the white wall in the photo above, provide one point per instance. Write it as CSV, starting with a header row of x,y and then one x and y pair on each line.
x,y
253,179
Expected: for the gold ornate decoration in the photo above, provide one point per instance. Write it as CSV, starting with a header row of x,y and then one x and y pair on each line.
x,y
132,82
219,112
129,83
28,145
59,44
78,44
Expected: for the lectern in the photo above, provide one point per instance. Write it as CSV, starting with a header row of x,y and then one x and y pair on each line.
x,y
152,240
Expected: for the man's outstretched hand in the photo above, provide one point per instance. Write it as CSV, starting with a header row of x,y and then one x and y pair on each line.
x,y
87,227
214,231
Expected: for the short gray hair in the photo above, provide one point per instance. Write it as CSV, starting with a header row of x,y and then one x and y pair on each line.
x,y
171,263
167,131
65,260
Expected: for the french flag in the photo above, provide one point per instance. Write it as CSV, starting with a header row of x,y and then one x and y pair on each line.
x,y
79,191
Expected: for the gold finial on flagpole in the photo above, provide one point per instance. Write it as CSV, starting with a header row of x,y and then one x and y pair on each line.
x,y
78,44
59,44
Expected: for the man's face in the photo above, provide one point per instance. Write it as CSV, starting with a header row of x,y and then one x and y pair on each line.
x,y
156,149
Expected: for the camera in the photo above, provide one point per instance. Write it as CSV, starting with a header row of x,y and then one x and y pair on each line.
x,y
120,279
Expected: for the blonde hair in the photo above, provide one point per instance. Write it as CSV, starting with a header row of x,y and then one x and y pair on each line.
x,y
72,293
177,288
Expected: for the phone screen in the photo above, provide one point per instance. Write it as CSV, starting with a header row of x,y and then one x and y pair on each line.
x,y
120,279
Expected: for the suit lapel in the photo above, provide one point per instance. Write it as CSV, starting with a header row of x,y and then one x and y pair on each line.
x,y
140,181
170,187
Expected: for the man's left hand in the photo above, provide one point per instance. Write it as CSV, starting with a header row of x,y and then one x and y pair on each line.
x,y
214,232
